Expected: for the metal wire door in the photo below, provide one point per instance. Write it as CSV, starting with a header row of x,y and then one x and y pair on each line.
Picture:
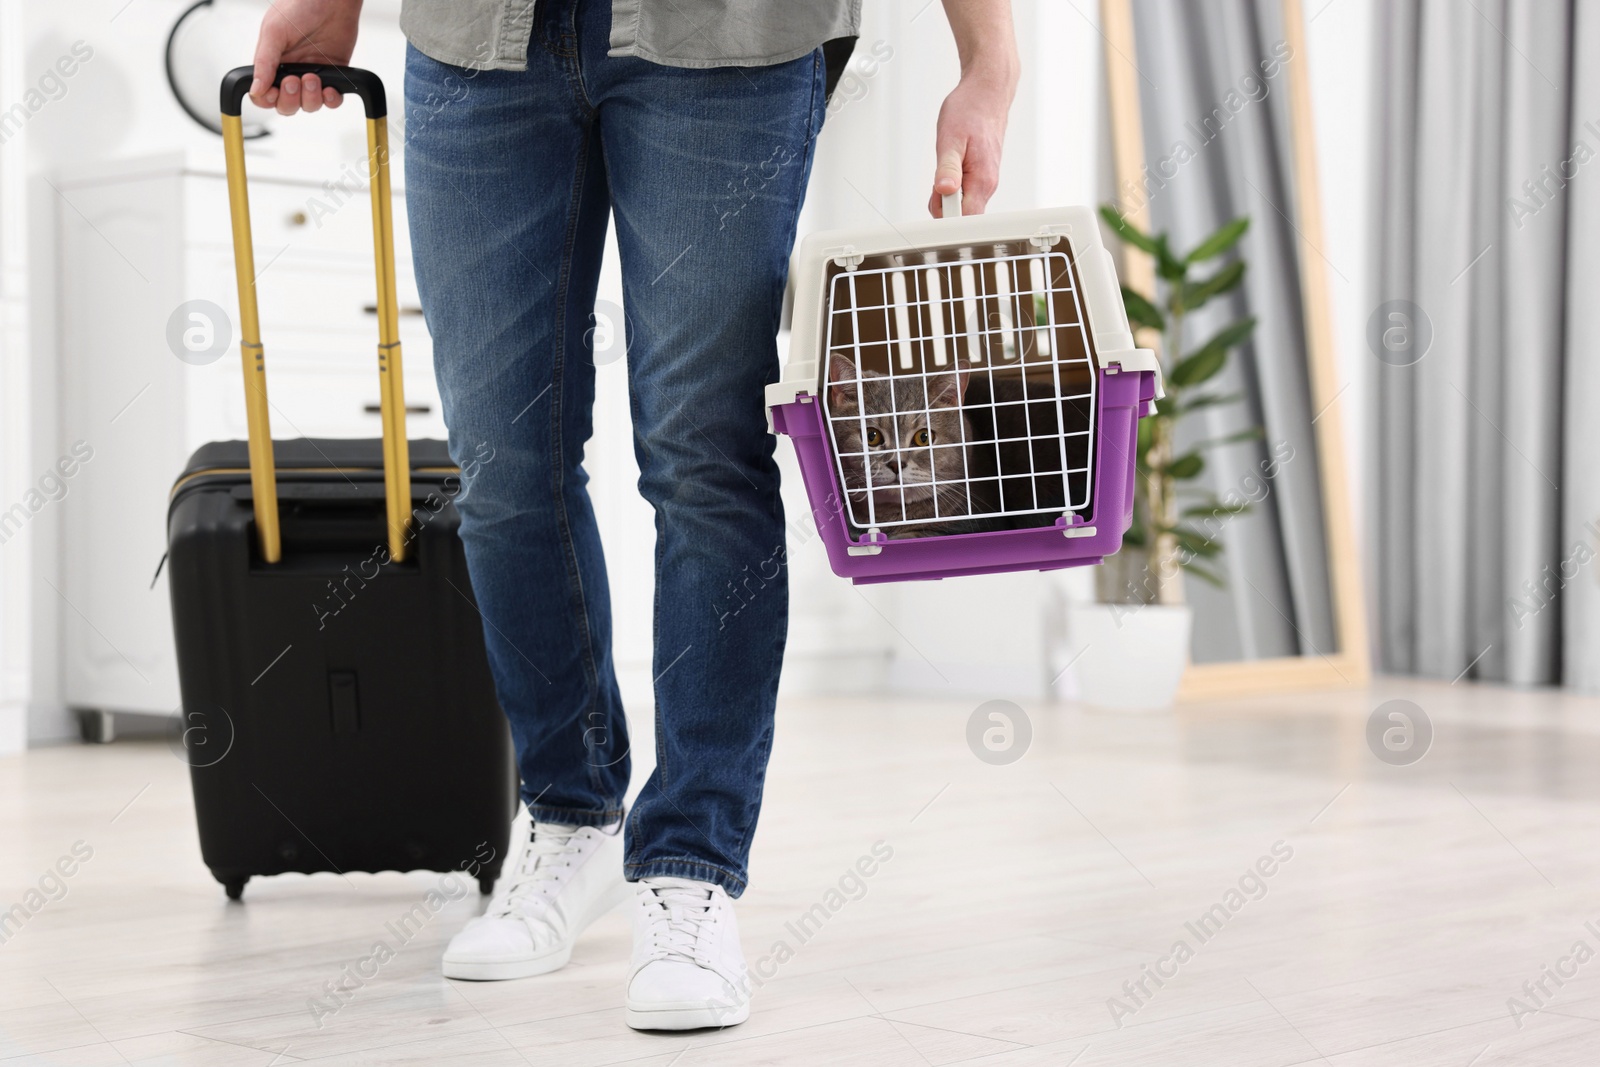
x,y
960,388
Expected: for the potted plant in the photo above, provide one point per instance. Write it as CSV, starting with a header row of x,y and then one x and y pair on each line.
x,y
1130,649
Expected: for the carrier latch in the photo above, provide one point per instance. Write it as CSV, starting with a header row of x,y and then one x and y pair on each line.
x,y
1048,236
874,535
846,256
1072,525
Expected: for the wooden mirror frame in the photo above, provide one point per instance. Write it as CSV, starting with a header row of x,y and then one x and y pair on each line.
x,y
1350,665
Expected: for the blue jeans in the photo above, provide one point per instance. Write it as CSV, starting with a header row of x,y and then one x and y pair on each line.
x,y
511,177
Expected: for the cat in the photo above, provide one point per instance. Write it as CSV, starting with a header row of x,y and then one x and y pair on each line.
x,y
908,432
1018,437
1020,474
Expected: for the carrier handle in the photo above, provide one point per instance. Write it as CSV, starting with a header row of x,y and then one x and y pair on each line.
x,y
391,393
950,205
362,83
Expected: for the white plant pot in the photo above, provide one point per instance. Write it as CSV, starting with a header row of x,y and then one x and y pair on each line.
x,y
1124,655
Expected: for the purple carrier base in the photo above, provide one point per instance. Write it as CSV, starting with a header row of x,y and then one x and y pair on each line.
x,y
1122,396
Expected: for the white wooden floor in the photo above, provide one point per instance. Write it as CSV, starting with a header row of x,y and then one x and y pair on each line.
x,y
1018,900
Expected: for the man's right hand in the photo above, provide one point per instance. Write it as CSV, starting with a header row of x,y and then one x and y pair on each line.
x,y
303,31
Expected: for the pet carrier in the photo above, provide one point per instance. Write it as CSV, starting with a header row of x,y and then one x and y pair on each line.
x,y
964,395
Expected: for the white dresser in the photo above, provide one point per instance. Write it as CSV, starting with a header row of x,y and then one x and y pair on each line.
x,y
138,239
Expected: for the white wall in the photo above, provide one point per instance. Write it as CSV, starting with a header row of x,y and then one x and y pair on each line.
x,y
15,649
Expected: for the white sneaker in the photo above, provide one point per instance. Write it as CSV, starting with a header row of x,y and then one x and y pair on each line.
x,y
688,969
563,879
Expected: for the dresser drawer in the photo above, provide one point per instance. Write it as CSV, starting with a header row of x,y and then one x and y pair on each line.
x,y
292,219
327,295
339,405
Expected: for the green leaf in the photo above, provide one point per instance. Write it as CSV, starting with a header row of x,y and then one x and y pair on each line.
x,y
1233,334
1252,434
1195,294
1225,238
1206,401
1196,542
1168,265
1208,359
1213,509
1126,231
1200,367
1168,406
1204,574
1188,465
1142,312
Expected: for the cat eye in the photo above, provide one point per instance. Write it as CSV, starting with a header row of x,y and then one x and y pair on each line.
x,y
874,437
922,438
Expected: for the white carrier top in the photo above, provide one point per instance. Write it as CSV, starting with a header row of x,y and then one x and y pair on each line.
x,y
953,243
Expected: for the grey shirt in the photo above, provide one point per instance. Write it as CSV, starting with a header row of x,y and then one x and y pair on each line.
x,y
493,34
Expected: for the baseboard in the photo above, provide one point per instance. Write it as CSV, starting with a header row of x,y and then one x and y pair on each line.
x,y
49,724
635,684
833,674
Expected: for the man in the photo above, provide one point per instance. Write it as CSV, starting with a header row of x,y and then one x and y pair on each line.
x,y
692,123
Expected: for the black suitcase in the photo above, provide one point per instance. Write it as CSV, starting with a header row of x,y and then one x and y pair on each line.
x,y
338,710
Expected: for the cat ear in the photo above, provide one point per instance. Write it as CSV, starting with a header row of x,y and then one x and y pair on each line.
x,y
842,383
948,388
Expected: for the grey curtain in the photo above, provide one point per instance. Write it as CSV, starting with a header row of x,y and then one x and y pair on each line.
x,y
1214,102
1486,474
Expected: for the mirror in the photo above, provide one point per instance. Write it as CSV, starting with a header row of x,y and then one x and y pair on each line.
x,y
1209,120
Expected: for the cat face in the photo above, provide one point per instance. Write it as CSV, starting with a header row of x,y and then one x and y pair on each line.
x,y
900,439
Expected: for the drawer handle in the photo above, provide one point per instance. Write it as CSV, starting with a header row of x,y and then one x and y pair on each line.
x,y
376,408
405,309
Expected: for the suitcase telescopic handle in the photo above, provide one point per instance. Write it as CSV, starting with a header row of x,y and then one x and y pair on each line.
x,y
391,395
363,83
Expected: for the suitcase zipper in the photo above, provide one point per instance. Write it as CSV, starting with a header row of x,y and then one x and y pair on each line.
x,y
192,475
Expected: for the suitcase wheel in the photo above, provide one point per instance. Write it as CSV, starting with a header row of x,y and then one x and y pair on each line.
x,y
235,887
486,885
